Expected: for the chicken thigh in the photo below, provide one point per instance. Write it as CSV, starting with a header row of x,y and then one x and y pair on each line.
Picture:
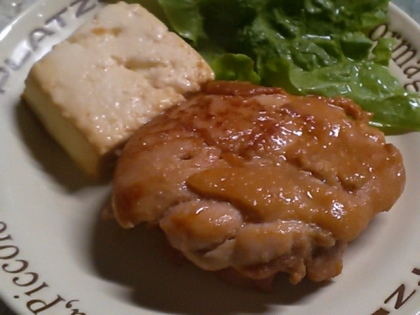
x,y
254,181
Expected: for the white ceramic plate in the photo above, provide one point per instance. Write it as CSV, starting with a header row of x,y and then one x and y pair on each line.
x,y
57,257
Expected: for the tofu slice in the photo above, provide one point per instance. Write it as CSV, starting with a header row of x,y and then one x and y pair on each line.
x,y
115,73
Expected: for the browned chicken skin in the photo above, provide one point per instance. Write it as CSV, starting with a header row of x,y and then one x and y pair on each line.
x,y
257,181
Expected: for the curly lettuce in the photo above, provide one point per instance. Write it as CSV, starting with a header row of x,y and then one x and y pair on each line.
x,y
304,46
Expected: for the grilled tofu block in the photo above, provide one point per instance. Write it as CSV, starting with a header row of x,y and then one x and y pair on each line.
x,y
114,74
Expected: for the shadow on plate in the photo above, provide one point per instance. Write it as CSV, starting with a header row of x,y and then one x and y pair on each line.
x,y
47,154
136,259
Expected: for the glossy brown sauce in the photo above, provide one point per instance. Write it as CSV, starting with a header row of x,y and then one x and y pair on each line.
x,y
306,160
257,180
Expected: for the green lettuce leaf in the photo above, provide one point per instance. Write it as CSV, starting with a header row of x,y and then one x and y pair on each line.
x,y
304,46
367,83
185,18
235,67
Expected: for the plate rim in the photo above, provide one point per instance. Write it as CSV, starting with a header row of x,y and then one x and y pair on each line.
x,y
35,7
